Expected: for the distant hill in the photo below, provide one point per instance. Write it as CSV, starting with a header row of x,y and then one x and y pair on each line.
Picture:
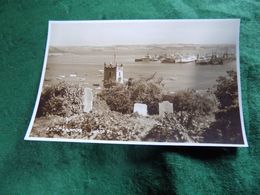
x,y
142,49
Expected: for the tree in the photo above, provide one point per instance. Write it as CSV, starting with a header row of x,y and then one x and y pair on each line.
x,y
122,98
226,128
61,99
118,99
148,92
226,90
193,106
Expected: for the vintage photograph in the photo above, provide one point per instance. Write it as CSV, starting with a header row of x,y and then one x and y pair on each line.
x,y
150,82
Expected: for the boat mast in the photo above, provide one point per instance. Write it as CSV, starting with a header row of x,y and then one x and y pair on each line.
x,y
114,56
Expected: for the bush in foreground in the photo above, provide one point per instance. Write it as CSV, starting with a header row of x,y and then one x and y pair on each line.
x,y
227,127
192,107
61,99
121,98
147,92
118,99
170,129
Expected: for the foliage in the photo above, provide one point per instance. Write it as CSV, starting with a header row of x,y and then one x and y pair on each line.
x,y
118,99
192,113
147,92
121,98
226,90
226,128
170,128
61,99
192,106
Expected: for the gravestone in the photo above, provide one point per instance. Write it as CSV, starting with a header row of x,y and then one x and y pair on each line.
x,y
87,100
165,107
141,109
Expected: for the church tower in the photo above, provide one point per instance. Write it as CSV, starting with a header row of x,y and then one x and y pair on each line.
x,y
109,75
113,73
120,73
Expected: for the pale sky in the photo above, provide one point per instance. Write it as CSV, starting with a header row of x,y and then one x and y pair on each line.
x,y
140,32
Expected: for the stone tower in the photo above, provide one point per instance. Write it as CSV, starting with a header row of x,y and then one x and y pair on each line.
x,y
113,74
109,75
119,74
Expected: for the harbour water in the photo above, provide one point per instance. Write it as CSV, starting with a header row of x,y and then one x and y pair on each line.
x,y
87,69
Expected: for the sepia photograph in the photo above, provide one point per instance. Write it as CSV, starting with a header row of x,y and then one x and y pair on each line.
x,y
145,82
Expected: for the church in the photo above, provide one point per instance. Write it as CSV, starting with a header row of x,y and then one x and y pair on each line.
x,y
113,73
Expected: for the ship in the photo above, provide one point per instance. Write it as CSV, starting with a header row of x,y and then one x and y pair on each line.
x,y
209,60
147,58
168,60
184,59
178,59
203,60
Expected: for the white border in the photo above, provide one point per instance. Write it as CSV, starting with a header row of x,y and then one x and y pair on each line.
x,y
27,137
239,90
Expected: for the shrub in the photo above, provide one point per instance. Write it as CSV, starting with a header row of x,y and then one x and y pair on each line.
x,y
121,98
118,99
61,99
170,129
227,90
227,127
193,112
194,105
147,92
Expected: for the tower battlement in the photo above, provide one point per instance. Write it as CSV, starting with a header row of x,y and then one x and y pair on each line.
x,y
113,73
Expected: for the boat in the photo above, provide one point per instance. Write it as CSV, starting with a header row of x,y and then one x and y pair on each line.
x,y
212,60
168,60
227,57
215,60
147,58
203,60
184,59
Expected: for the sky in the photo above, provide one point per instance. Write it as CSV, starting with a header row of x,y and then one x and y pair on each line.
x,y
143,32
